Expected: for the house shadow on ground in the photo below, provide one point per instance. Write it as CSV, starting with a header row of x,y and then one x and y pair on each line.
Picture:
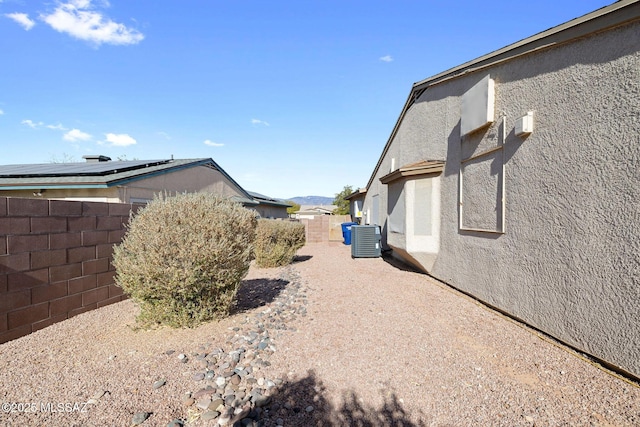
x,y
256,293
301,258
399,264
304,402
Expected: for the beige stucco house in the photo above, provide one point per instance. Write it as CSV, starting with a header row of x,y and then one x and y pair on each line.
x,y
312,211
100,179
269,207
515,177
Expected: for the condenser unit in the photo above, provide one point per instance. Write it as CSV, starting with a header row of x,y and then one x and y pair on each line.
x,y
365,241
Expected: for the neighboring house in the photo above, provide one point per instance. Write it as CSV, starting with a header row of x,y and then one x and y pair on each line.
x,y
136,181
308,212
269,207
515,178
356,201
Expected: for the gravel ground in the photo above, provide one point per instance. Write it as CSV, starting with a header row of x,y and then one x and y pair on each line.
x,y
330,340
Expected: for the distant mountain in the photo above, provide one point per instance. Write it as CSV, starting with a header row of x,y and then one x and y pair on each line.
x,y
312,200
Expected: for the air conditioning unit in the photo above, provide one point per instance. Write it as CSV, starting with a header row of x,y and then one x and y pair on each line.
x,y
365,241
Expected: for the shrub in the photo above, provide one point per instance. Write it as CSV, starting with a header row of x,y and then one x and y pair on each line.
x,y
277,242
183,257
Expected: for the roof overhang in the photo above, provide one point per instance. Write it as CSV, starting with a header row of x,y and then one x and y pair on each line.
x,y
245,201
614,15
273,203
425,167
358,193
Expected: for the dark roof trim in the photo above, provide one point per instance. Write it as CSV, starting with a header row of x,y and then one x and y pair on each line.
x,y
426,167
244,201
270,201
355,194
605,18
614,15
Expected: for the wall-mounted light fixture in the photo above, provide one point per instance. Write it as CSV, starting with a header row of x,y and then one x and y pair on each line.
x,y
524,125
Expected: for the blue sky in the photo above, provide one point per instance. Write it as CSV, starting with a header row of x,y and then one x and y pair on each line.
x,y
291,98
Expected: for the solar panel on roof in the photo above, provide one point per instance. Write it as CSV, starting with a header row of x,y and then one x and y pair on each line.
x,y
75,169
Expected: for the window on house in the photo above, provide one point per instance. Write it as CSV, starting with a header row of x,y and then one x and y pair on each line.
x,y
422,207
375,210
410,197
396,209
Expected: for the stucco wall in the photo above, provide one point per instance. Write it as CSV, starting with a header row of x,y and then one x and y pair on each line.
x,y
569,257
108,195
195,179
267,211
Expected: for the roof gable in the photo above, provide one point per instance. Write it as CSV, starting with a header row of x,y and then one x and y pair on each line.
x,y
103,174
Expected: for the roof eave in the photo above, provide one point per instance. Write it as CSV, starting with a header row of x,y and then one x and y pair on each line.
x,y
270,203
431,168
359,192
607,17
57,186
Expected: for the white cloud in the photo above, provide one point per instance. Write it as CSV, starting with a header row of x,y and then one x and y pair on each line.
x,y
259,122
120,140
76,135
213,144
79,19
35,125
31,123
386,58
1,112
22,19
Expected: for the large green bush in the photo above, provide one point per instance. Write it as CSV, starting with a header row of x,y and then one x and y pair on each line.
x,y
277,242
183,258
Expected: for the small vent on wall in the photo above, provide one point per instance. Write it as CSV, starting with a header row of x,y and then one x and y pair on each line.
x,y
524,125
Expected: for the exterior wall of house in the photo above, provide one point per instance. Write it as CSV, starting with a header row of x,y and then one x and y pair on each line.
x,y
558,211
269,211
108,195
194,179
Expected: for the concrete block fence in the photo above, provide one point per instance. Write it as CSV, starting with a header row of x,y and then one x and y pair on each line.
x,y
324,228
55,260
